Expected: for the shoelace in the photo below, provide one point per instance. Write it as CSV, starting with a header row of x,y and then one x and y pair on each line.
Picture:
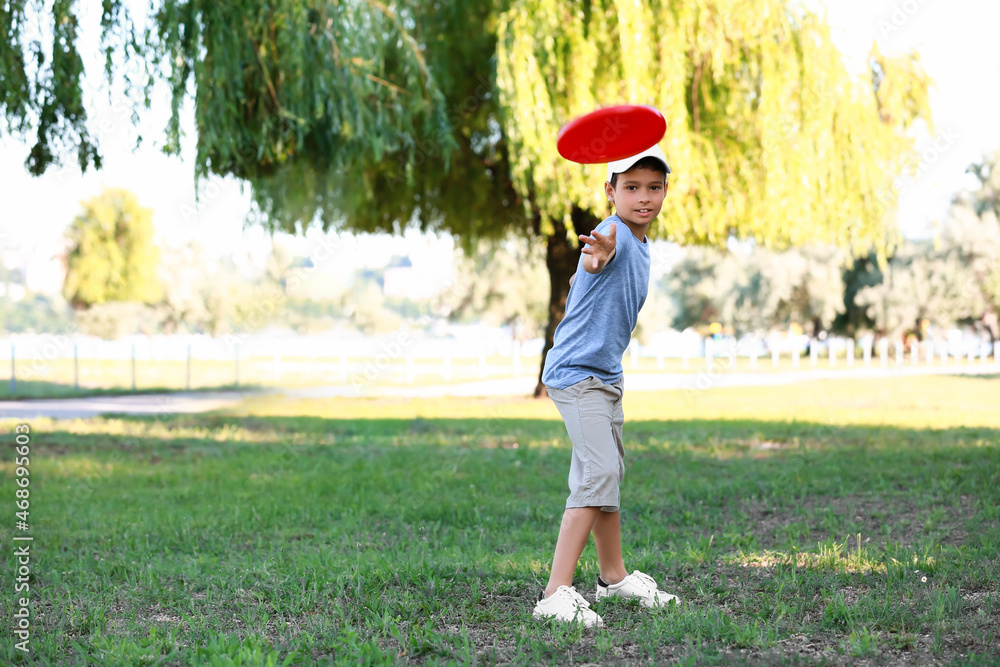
x,y
574,597
646,580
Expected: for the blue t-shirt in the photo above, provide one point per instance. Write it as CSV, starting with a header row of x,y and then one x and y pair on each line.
x,y
601,312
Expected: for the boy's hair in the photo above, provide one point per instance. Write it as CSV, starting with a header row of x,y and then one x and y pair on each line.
x,y
648,162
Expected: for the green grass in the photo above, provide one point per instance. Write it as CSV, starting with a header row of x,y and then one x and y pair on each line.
x,y
41,389
797,523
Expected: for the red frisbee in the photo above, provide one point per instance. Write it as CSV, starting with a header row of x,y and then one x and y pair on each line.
x,y
610,133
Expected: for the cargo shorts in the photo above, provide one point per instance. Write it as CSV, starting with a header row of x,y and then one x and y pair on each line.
x,y
592,412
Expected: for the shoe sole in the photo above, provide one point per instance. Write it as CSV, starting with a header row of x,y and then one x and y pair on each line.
x,y
607,596
543,617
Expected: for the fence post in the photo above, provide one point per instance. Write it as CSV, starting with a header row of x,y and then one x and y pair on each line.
x,y
187,382
850,352
774,357
833,353
914,353
868,352
753,359
76,369
813,353
982,353
133,366
899,353
883,351
13,378
796,358
929,352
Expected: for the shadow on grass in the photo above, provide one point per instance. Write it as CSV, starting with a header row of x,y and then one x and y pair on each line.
x,y
685,474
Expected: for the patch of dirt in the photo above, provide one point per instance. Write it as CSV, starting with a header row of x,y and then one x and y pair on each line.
x,y
867,515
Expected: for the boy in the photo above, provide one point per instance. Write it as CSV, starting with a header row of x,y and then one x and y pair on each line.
x,y
583,375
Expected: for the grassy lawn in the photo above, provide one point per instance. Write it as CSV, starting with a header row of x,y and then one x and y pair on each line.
x,y
833,522
39,389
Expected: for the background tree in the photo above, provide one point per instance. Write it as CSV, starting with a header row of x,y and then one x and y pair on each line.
x,y
34,313
756,289
498,283
444,114
111,255
213,297
757,100
953,279
112,320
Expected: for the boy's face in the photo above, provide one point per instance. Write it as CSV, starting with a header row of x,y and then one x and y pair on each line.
x,y
638,195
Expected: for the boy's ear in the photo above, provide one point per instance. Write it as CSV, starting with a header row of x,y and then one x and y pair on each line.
x,y
609,191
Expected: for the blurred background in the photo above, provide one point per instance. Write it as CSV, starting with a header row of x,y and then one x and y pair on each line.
x,y
391,212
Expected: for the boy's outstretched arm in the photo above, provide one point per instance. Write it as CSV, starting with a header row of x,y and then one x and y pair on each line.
x,y
602,249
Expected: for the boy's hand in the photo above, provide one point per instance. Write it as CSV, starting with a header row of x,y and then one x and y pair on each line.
x,y
602,248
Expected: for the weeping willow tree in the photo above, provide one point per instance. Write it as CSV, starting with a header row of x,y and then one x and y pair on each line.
x,y
357,115
768,134
276,86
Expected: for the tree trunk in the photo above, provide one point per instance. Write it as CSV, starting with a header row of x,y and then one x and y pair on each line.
x,y
561,257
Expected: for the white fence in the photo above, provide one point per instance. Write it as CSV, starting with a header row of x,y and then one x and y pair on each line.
x,y
405,357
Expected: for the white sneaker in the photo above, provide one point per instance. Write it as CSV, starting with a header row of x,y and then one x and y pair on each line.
x,y
637,585
568,605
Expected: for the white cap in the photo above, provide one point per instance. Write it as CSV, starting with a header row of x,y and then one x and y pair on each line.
x,y
618,166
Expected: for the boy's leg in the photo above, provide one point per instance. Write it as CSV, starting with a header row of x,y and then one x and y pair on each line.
x,y
607,526
591,411
577,523
608,540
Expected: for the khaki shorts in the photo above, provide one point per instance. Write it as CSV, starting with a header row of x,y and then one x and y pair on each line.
x,y
592,412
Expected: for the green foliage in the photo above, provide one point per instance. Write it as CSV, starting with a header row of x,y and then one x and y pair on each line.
x,y
500,284
114,319
366,306
447,119
35,312
771,137
112,256
52,97
756,290
954,278
373,117
453,177
213,297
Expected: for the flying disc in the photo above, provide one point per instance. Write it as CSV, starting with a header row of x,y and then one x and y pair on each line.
x,y
610,133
